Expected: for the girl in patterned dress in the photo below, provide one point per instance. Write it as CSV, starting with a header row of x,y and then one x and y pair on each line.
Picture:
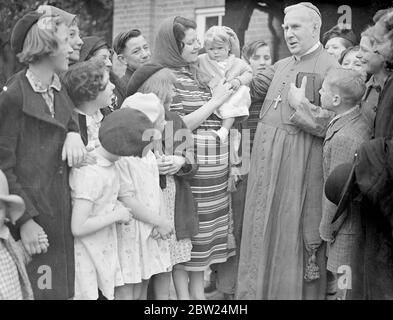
x,y
177,47
94,192
177,166
143,244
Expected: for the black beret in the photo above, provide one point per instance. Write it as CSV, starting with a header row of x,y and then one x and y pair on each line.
x,y
140,75
21,29
339,185
121,132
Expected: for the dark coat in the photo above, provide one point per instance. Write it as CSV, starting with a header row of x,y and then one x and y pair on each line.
x,y
373,260
186,216
31,142
372,273
120,88
384,117
126,78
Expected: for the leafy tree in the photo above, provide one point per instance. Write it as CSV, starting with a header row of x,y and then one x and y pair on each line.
x,y
95,18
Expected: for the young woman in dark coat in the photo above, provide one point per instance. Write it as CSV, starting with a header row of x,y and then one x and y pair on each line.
x,y
372,273
37,134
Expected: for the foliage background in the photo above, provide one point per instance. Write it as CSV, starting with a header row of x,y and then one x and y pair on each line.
x,y
95,18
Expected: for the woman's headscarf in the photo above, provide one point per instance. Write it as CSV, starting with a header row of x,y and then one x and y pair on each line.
x,y
166,51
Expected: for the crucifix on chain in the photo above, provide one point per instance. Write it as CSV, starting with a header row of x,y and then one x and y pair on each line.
x,y
276,101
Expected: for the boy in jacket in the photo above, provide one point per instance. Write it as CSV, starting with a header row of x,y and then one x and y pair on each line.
x,y
341,93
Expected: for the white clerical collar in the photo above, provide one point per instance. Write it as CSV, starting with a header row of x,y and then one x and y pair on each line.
x,y
312,49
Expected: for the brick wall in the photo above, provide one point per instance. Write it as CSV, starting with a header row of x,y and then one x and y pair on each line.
x,y
147,15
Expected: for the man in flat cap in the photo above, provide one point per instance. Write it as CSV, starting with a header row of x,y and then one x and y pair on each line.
x,y
281,254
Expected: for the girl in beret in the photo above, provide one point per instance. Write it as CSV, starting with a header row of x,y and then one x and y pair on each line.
x,y
177,48
37,135
143,244
176,165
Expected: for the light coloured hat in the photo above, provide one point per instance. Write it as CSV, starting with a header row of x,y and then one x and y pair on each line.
x,y
147,103
67,17
15,204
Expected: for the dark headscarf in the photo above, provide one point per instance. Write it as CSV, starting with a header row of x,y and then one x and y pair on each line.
x,y
166,51
90,46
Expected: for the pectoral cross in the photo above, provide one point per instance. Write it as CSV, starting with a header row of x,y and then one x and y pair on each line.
x,y
276,101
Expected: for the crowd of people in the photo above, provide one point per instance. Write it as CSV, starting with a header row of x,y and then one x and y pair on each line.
x,y
201,159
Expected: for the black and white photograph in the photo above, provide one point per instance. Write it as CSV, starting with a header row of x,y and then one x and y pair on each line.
x,y
215,151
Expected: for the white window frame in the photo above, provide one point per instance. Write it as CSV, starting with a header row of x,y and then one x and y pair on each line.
x,y
202,14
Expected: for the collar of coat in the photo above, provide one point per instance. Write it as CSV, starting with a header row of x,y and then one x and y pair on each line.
x,y
34,105
38,86
315,49
338,123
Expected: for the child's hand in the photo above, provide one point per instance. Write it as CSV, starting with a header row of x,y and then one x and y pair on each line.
x,y
123,215
73,150
177,163
165,229
30,233
235,84
89,159
43,239
221,92
164,164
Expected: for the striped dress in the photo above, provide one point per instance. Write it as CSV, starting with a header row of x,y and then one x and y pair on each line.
x,y
209,185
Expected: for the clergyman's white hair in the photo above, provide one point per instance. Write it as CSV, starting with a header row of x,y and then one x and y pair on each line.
x,y
312,10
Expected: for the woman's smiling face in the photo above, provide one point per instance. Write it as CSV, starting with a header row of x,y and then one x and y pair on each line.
x,y
191,46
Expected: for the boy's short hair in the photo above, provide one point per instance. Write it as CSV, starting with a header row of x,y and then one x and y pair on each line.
x,y
120,42
349,83
41,39
250,48
84,80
